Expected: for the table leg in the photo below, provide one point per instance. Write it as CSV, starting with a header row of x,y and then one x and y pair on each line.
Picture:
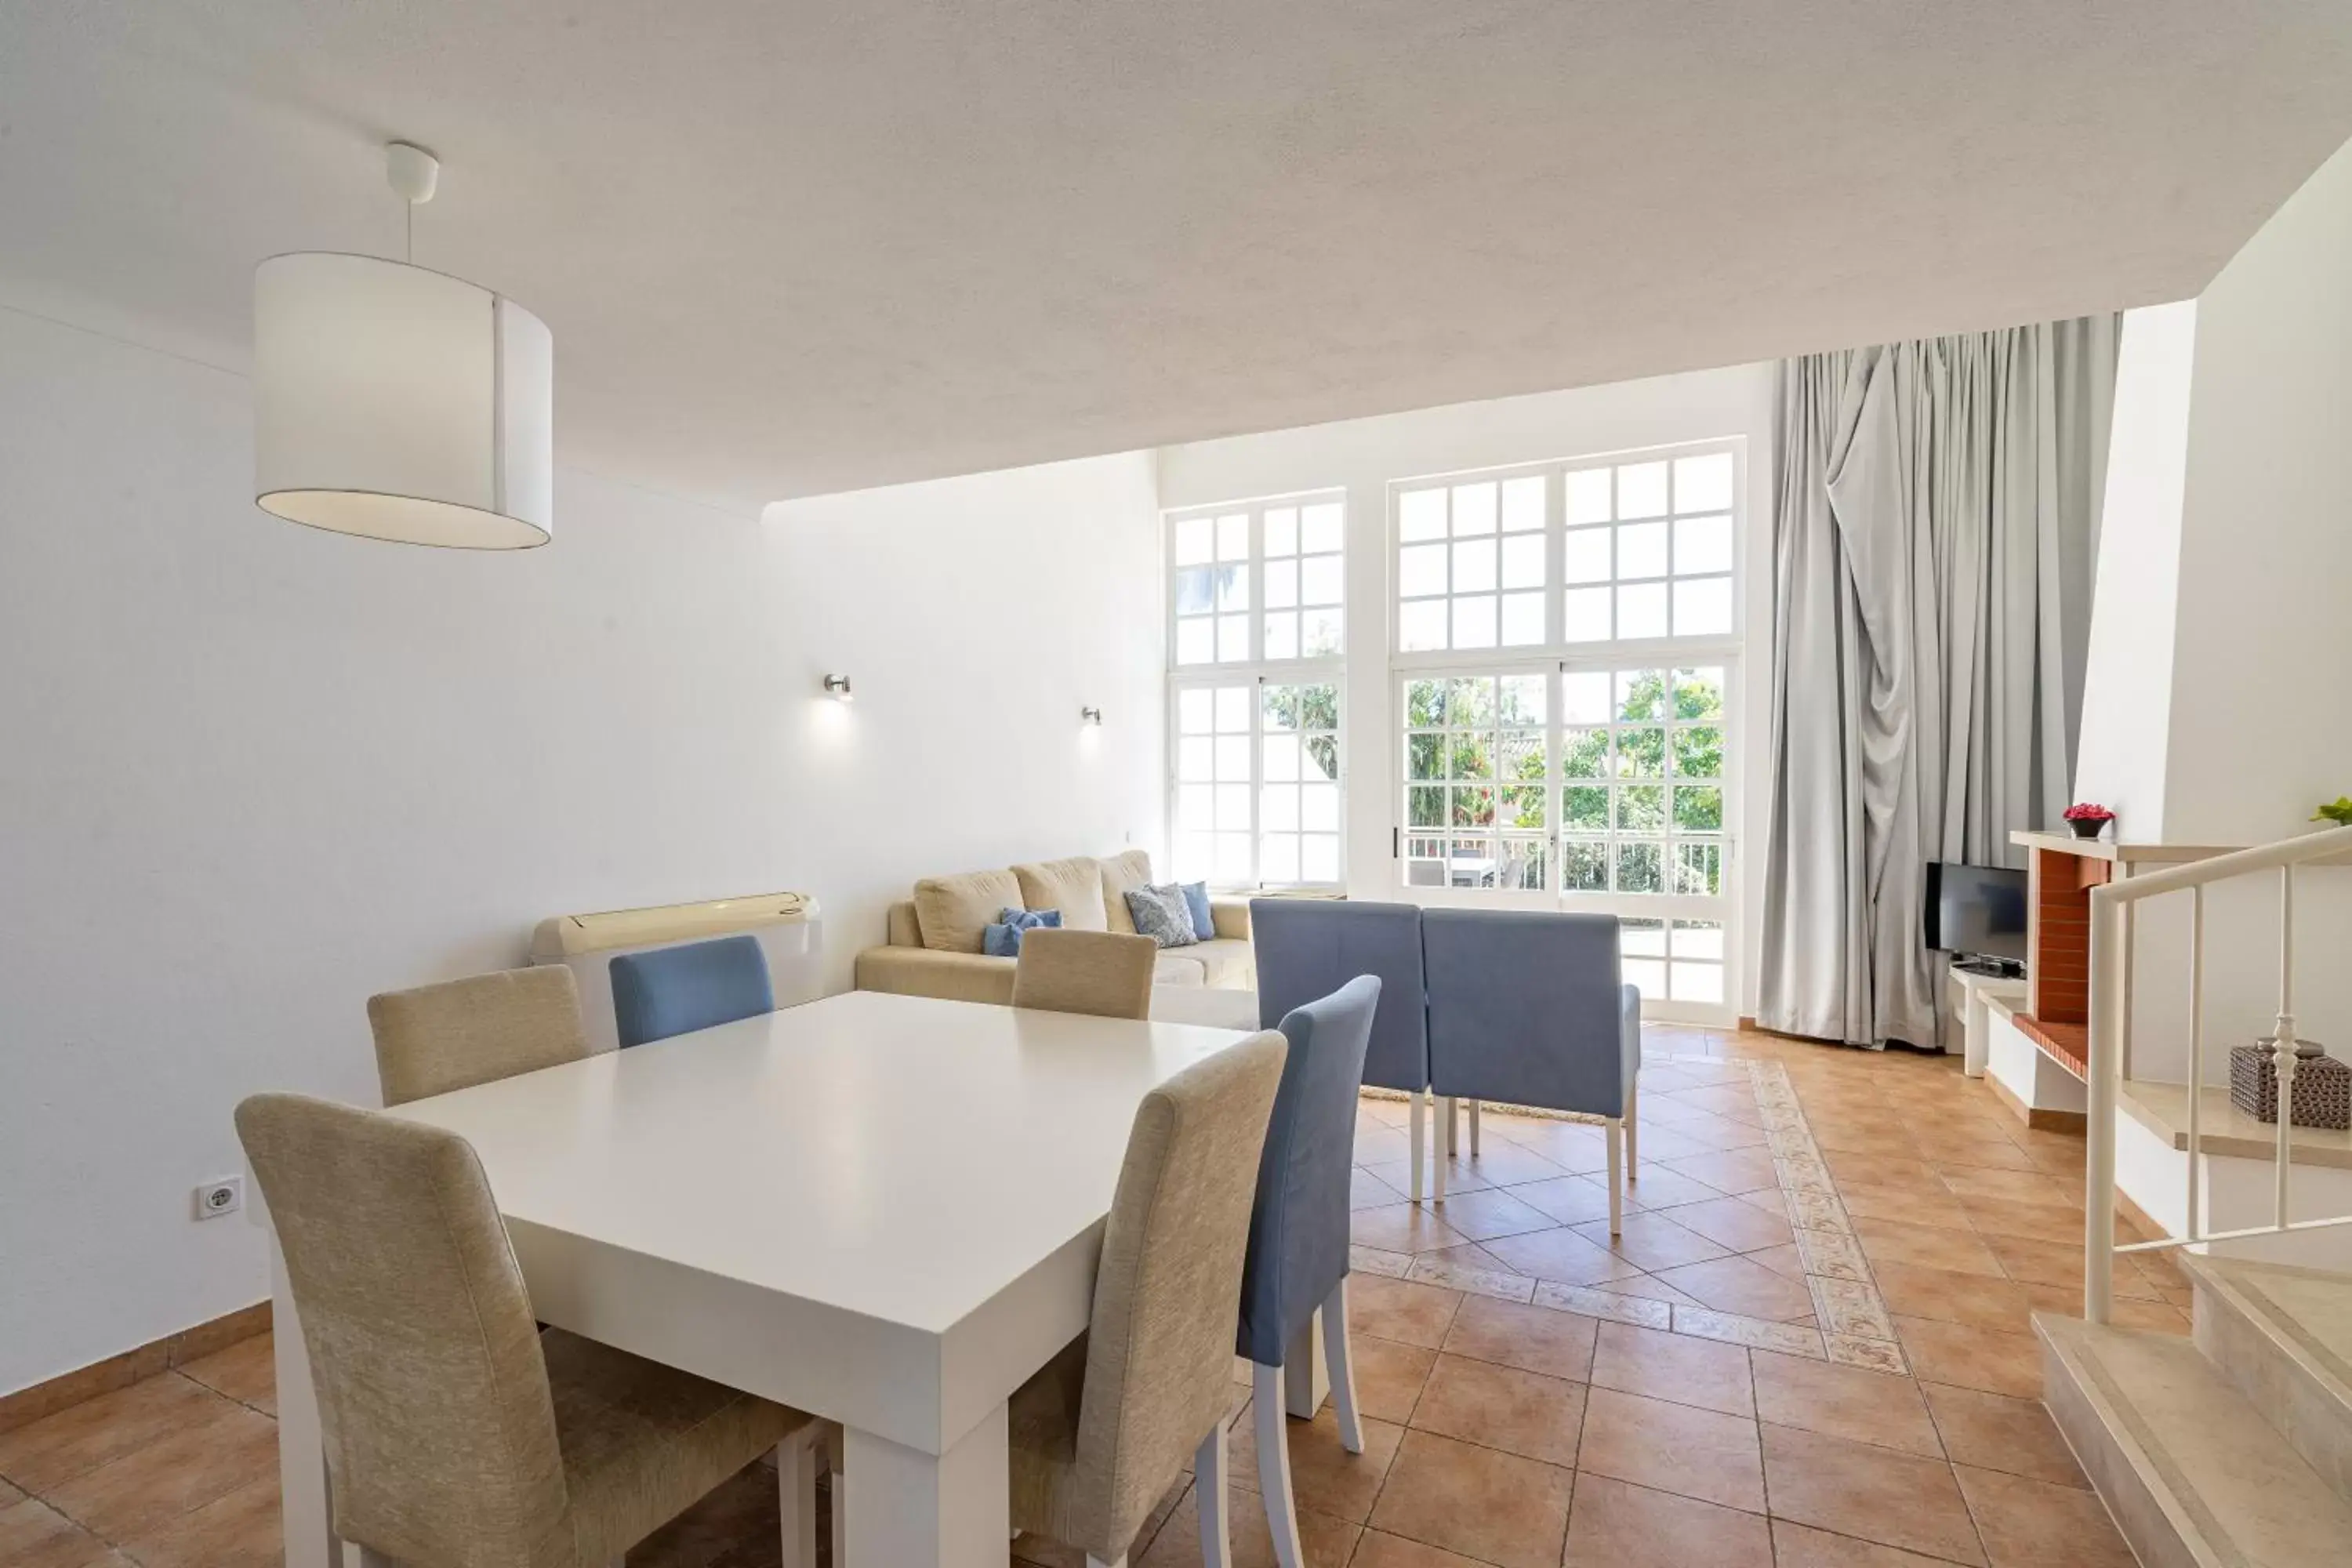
x,y
311,1541
912,1509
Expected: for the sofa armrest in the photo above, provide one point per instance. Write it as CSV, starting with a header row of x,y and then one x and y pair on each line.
x,y
1231,917
924,972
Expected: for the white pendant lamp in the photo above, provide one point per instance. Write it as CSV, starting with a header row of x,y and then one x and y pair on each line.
x,y
397,403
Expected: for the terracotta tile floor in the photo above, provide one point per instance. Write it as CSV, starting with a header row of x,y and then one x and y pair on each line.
x,y
1811,1346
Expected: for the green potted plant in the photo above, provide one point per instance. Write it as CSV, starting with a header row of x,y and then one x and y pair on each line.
x,y
2337,811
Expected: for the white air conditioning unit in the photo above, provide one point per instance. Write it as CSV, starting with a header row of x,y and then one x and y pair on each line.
x,y
786,925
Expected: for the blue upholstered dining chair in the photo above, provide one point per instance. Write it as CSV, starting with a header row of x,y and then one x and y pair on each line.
x,y
1532,1009
675,990
1298,1264
1307,948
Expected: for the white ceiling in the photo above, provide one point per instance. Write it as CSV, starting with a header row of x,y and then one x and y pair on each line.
x,y
788,247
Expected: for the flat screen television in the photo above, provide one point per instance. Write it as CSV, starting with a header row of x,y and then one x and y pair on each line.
x,y
1976,909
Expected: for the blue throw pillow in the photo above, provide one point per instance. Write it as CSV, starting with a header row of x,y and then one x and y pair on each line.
x,y
1002,939
1196,898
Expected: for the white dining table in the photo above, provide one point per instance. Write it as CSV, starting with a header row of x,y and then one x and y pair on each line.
x,y
886,1210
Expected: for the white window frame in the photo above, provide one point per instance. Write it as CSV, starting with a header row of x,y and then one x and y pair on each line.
x,y
1254,657
1645,652
1555,832
1257,672
1556,657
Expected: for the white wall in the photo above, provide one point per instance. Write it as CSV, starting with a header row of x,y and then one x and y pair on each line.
x,y
2120,761
2262,661
2215,711
1364,455
250,774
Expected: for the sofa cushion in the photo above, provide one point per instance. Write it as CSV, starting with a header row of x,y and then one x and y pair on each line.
x,y
1120,873
1074,886
904,929
1180,968
1228,962
917,971
1222,963
954,910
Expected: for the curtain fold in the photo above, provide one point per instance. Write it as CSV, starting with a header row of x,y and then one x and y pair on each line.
x,y
1934,533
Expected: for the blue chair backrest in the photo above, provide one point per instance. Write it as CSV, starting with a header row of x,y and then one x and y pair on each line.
x,y
1298,1229
1529,1008
1307,948
676,990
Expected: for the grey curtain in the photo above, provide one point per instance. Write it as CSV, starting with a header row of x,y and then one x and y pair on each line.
x,y
1933,541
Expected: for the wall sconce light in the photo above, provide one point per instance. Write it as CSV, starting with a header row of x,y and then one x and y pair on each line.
x,y
837,686
1091,716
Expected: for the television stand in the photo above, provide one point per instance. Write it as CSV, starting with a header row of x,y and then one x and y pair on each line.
x,y
1974,983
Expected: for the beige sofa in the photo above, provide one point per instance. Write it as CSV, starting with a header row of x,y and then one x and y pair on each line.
x,y
933,943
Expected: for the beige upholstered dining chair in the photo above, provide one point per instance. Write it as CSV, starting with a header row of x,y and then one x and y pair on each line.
x,y
458,1434
463,1032
1104,973
1101,1434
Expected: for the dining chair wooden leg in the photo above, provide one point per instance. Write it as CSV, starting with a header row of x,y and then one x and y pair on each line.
x,y
1616,1141
837,1485
1438,1150
1633,1131
796,1462
1209,1493
1419,1130
1274,1467
1452,1126
1473,1130
1341,1366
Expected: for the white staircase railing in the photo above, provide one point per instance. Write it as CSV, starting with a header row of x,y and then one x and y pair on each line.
x,y
2111,907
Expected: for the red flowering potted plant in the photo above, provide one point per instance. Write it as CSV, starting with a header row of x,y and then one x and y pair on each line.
x,y
2088,819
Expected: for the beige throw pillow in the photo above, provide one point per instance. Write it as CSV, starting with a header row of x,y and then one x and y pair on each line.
x,y
1072,885
952,910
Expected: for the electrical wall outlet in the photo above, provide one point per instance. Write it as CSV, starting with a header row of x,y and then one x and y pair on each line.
x,y
223,1195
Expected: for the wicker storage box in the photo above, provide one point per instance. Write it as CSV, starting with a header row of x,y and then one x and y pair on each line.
x,y
2323,1087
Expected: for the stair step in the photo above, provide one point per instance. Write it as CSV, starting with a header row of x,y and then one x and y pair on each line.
x,y
2283,1336
2193,1474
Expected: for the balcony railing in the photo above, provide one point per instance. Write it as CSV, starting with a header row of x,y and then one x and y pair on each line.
x,y
2111,909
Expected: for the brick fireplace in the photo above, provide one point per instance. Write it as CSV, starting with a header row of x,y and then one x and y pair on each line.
x,y
2057,1013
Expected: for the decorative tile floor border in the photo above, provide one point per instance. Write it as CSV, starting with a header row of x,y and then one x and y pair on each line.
x,y
1855,1328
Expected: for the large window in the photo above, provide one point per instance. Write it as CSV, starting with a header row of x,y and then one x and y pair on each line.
x,y
1471,564
1257,583
1565,641
1256,608
1627,551
1641,781
1477,774
1634,763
